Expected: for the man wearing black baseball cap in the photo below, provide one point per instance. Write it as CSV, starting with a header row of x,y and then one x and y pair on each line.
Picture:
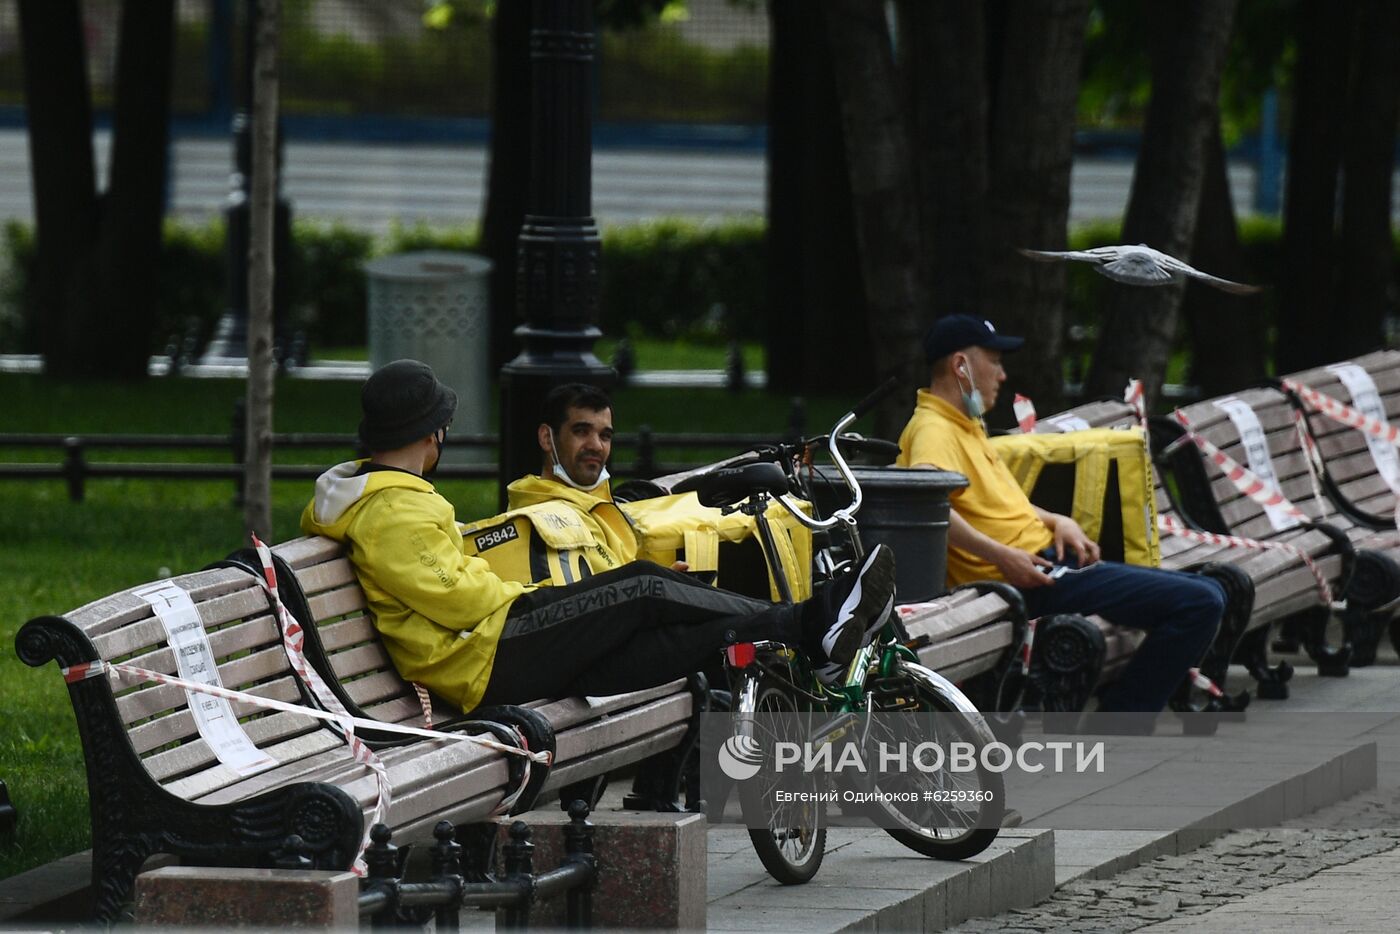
x,y
996,533
452,625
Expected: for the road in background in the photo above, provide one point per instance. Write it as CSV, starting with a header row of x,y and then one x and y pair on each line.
x,y
373,185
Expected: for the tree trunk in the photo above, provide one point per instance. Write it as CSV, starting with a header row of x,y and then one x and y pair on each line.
x,y
257,490
1028,187
881,171
1228,349
119,343
508,173
58,109
942,59
1307,311
814,275
1140,324
1367,251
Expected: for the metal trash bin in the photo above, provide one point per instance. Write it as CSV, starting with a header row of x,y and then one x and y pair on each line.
x,y
434,306
905,508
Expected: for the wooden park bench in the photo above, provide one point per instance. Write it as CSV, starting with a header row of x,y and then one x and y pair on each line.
x,y
591,736
155,783
1351,472
1362,565
1263,587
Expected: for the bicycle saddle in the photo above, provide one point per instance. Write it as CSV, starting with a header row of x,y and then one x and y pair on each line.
x,y
729,485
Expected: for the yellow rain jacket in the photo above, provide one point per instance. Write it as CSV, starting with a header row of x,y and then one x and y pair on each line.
x,y
439,610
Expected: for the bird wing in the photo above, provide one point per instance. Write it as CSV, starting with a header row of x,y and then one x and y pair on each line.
x,y
1096,255
1225,285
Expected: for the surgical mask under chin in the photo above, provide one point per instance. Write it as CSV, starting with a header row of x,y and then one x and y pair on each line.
x,y
563,475
972,401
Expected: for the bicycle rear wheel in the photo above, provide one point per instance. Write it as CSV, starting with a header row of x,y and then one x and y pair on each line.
x,y
789,838
953,815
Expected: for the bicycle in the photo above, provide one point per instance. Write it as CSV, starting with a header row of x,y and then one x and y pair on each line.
x,y
777,696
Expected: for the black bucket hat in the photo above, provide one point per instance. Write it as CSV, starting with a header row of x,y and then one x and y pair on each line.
x,y
402,402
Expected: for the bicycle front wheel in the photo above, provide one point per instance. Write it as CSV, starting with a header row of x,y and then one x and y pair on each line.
x,y
789,838
943,813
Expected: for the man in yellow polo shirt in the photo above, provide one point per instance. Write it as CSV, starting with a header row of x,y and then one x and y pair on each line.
x,y
996,533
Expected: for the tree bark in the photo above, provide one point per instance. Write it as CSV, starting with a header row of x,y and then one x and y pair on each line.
x,y
1367,251
1188,54
1028,188
1306,299
814,274
129,253
508,172
257,489
881,173
1228,349
942,60
58,109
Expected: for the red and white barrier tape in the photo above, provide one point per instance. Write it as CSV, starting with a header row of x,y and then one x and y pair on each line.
x,y
1343,414
1025,413
1028,645
425,700
1245,480
1134,396
1202,682
1312,458
1171,526
293,643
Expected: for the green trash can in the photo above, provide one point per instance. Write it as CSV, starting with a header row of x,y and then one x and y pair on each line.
x,y
905,508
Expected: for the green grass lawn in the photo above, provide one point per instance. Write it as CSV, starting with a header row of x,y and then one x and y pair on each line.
x,y
56,555
652,354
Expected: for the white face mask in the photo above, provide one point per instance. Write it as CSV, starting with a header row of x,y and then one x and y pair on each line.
x,y
563,475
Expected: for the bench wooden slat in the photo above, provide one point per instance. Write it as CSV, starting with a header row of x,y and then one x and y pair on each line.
x,y
988,641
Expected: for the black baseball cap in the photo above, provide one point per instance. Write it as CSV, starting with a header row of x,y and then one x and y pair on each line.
x,y
955,332
402,402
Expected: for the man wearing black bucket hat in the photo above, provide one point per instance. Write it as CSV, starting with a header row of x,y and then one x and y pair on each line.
x,y
455,627
995,532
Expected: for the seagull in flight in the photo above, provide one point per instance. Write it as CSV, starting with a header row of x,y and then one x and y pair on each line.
x,y
1139,265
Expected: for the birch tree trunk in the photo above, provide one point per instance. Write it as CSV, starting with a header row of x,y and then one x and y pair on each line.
x,y
1187,49
257,503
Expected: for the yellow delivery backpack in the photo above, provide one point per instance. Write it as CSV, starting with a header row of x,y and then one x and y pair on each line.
x,y
677,527
1100,477
543,543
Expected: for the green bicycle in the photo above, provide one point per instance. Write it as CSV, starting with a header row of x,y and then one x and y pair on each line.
x,y
779,699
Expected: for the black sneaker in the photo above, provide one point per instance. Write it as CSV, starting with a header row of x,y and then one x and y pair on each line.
x,y
856,605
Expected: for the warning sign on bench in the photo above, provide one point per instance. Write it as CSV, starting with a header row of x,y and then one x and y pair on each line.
x,y
194,660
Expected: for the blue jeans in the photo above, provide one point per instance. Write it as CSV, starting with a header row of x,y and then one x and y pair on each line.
x,y
1180,613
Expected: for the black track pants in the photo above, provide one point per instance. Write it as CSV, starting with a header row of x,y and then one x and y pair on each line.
x,y
624,630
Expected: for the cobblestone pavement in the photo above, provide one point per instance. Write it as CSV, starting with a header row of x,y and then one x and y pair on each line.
x,y
1229,868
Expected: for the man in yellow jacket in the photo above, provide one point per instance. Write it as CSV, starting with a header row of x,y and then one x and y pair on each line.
x,y
455,627
575,437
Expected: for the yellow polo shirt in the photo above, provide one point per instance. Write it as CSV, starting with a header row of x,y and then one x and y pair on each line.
x,y
992,502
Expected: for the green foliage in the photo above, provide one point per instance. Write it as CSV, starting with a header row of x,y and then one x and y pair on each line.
x,y
668,279
673,279
653,74
1116,85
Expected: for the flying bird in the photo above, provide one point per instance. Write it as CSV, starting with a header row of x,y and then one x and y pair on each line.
x,y
1139,265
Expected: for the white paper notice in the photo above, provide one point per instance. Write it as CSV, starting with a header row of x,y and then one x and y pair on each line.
x,y
194,661
1069,423
1256,450
1366,399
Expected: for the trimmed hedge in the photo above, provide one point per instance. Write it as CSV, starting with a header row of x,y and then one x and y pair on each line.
x,y
663,279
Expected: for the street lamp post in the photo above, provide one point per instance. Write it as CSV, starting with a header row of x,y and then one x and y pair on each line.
x,y
559,255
